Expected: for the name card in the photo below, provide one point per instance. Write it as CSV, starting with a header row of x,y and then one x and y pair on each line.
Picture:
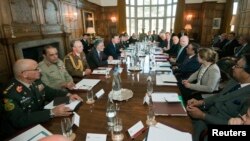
x,y
99,93
136,129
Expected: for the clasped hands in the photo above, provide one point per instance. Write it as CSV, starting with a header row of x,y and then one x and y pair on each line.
x,y
194,110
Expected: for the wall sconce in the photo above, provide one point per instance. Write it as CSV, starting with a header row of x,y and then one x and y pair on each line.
x,y
188,27
71,16
113,19
189,17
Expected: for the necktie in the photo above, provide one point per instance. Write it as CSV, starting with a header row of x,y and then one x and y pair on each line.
x,y
179,52
100,56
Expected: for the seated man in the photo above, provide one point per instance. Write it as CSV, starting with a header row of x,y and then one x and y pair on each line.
x,y
24,98
53,70
76,62
217,109
112,48
96,58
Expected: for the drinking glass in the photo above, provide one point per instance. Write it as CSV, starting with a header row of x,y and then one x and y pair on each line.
x,y
151,117
107,73
66,126
149,88
116,133
110,114
90,97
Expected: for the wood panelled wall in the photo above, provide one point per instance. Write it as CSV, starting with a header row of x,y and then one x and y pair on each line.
x,y
32,20
243,20
202,20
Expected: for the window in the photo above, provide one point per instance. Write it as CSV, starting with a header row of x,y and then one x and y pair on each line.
x,y
151,15
235,8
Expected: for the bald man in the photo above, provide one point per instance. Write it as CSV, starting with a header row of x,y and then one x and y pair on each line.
x,y
25,96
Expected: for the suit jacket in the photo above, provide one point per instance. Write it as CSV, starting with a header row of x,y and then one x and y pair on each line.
x,y
220,43
228,49
95,61
174,50
24,107
189,66
86,46
182,56
240,51
209,81
112,50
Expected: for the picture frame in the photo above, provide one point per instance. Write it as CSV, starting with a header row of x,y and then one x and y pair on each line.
x,y
88,19
216,23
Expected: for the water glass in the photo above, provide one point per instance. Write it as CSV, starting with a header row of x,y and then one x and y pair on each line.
x,y
151,117
149,88
66,126
90,97
107,73
111,114
116,133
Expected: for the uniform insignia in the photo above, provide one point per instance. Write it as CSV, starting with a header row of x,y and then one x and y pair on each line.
x,y
19,89
8,105
5,92
40,87
8,88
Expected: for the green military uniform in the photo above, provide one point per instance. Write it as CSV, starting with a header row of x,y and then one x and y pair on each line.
x,y
24,106
54,75
76,65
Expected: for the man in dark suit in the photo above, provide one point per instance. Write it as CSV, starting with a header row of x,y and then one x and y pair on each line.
x,y
112,49
228,48
190,64
175,46
96,57
222,41
182,53
25,96
243,48
230,102
85,43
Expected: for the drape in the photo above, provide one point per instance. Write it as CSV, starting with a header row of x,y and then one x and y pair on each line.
x,y
178,25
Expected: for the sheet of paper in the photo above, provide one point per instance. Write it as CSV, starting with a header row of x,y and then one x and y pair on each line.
x,y
163,64
166,80
168,69
163,97
86,84
114,62
76,119
161,131
99,72
135,128
32,134
99,93
96,137
72,105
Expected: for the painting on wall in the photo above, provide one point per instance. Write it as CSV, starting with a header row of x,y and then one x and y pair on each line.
x,y
88,20
216,23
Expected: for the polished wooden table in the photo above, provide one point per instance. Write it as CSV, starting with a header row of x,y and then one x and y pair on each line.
x,y
93,117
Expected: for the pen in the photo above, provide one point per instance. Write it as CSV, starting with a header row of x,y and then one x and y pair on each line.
x,y
240,116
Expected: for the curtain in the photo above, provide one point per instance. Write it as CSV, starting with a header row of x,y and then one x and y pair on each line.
x,y
121,8
178,25
227,16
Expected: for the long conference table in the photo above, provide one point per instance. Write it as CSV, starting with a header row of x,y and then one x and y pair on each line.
x,y
93,117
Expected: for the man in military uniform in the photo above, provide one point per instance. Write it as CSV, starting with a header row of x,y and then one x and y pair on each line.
x,y
76,62
53,70
25,96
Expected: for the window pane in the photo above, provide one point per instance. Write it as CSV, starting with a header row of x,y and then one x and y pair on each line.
x,y
160,24
139,2
161,1
132,23
139,11
153,25
235,6
140,26
154,2
169,10
154,12
161,11
132,11
132,2
169,1
146,2
175,1
128,27
146,26
168,24
174,10
127,11
127,1
146,11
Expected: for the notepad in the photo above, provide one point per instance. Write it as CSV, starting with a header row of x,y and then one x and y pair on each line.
x,y
165,97
166,80
96,137
72,104
86,84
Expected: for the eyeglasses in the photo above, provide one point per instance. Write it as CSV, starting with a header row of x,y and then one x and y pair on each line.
x,y
237,66
36,69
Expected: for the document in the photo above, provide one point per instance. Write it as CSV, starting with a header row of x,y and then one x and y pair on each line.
x,y
163,64
96,137
165,97
166,80
161,132
100,72
72,104
114,62
32,134
86,84
167,69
